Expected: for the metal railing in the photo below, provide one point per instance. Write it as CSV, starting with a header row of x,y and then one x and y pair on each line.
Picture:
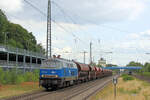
x,y
20,51
18,65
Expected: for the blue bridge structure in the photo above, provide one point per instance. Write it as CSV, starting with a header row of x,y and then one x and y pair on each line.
x,y
122,67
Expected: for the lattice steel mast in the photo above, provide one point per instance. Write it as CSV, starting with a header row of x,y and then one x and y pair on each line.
x,y
48,48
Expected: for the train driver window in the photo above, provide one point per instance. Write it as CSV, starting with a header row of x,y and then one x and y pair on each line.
x,y
71,65
74,66
64,64
68,65
61,64
51,64
58,64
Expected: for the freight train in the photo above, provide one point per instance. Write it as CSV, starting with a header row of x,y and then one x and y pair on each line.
x,y
57,72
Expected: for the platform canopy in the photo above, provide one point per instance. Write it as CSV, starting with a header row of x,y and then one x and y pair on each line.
x,y
121,67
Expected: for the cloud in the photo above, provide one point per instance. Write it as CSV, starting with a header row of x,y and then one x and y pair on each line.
x,y
140,35
80,11
60,45
84,13
100,11
59,35
11,6
134,42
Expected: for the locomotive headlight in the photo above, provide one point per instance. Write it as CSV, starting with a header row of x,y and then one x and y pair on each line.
x,y
42,75
56,76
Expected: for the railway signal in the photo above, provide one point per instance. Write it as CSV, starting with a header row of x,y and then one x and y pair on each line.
x,y
115,81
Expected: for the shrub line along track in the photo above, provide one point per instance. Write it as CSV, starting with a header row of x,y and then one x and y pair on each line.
x,y
69,93
144,78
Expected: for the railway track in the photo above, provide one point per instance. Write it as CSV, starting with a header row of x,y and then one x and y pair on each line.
x,y
27,96
77,92
84,94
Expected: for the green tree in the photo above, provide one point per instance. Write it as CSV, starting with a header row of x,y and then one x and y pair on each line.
x,y
132,63
147,67
98,65
17,36
110,65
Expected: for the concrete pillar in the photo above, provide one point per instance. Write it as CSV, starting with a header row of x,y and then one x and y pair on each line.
x,y
24,62
30,59
36,60
8,60
17,58
41,62
30,63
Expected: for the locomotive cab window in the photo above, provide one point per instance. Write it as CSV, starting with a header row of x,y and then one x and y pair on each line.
x,y
51,64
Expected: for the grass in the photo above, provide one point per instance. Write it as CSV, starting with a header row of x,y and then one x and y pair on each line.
x,y
126,90
127,77
13,90
146,74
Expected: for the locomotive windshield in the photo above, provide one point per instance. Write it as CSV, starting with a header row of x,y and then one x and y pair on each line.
x,y
51,64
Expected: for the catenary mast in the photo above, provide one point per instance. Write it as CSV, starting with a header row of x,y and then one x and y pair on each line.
x,y
48,41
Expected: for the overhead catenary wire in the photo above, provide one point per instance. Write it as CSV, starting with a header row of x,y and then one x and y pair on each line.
x,y
68,16
37,9
62,27
103,25
29,24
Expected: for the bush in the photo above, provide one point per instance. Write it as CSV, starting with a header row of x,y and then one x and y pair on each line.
x,y
15,76
146,74
19,79
2,74
127,77
124,75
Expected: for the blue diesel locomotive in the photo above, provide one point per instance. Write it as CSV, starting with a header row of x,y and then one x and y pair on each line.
x,y
57,72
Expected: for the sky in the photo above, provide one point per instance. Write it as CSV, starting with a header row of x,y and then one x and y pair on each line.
x,y
118,26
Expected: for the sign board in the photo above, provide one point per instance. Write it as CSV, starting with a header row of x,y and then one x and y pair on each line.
x,y
115,80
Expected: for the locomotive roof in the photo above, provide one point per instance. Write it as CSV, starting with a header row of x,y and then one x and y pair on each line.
x,y
61,59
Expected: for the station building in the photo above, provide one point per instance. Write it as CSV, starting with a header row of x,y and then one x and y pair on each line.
x,y
102,62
